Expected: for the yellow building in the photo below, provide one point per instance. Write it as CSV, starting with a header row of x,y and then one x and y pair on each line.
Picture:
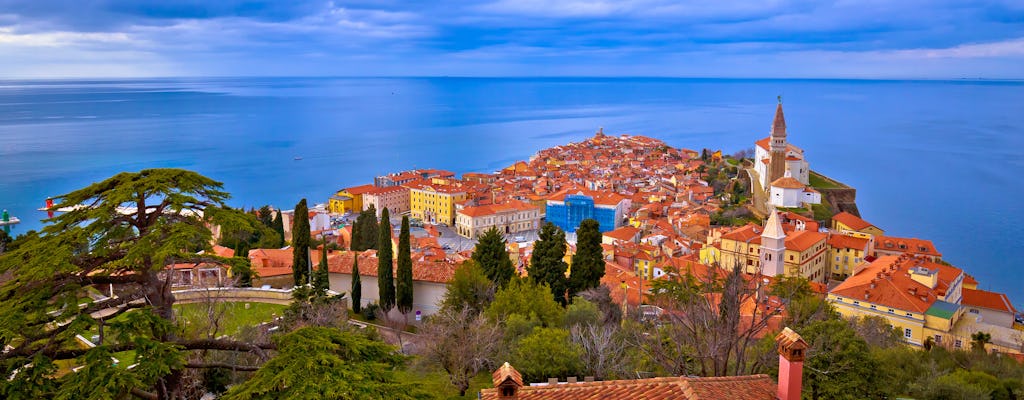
x,y
804,253
853,225
923,300
845,252
434,201
350,199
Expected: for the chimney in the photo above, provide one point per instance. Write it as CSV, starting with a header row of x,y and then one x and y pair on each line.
x,y
508,381
791,364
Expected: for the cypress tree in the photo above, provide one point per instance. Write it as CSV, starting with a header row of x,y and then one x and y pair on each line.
x,y
491,256
385,272
357,284
588,262
357,241
371,230
322,280
300,244
279,227
403,286
546,263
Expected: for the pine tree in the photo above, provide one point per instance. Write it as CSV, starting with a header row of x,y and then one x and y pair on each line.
x,y
322,280
547,264
491,256
279,227
588,262
300,244
357,284
266,216
403,286
385,272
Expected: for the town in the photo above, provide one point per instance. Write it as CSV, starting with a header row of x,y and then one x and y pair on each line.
x,y
647,270
661,209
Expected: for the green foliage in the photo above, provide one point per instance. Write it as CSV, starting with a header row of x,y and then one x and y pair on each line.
x,y
469,288
243,231
547,353
403,284
5,240
369,312
838,364
528,299
365,230
279,228
490,255
357,285
241,269
385,272
321,278
547,264
582,312
300,244
325,363
979,339
588,262
129,227
266,217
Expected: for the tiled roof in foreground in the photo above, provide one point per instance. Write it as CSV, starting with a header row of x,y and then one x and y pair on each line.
x,y
752,387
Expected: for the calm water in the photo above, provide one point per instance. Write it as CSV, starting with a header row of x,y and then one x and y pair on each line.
x,y
937,160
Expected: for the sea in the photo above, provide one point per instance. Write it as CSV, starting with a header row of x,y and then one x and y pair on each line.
x,y
938,160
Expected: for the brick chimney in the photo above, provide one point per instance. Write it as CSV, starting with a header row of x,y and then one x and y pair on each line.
x,y
508,381
792,349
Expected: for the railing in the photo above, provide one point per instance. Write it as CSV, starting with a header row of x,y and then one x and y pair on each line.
x,y
258,295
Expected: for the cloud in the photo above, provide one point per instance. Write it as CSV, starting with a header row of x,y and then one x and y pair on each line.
x,y
767,38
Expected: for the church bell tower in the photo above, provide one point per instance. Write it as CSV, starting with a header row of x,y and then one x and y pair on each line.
x,y
777,147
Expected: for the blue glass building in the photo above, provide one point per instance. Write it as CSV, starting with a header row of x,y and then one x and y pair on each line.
x,y
568,214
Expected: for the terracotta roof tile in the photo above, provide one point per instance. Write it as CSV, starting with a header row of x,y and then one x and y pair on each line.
x,y
852,221
986,299
751,387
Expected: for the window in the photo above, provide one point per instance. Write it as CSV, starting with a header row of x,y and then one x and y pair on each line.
x,y
873,307
938,339
910,315
855,302
907,332
974,311
958,343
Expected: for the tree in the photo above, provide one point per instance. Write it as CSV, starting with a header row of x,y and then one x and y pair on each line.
x,y
547,353
547,264
403,285
582,312
279,227
357,285
469,288
602,351
131,226
588,262
365,230
243,231
5,240
876,332
528,299
838,365
490,255
322,277
385,273
979,339
461,342
326,363
300,244
266,216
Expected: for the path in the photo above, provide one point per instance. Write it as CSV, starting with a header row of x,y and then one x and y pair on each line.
x,y
758,200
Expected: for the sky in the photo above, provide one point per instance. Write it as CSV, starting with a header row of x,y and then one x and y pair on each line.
x,y
895,39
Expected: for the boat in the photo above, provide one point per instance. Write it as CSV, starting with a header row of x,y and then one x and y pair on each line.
x,y
298,158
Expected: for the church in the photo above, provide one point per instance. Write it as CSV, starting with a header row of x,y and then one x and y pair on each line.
x,y
781,168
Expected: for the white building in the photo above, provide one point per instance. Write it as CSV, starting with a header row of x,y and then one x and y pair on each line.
x,y
774,155
511,217
790,193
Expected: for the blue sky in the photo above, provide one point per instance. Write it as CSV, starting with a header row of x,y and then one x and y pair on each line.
x,y
714,38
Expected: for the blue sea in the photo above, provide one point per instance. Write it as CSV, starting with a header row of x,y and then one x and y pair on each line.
x,y
941,160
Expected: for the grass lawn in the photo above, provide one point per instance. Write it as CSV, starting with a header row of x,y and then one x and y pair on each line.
x,y
234,315
436,383
823,211
818,181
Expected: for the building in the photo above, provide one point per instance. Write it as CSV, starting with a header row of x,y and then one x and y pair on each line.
x,y
773,155
924,299
567,208
626,233
511,217
790,193
401,178
394,198
772,251
845,253
894,246
434,200
348,200
853,225
509,384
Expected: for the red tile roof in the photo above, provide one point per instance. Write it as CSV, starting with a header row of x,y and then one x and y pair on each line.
x,y
852,221
906,245
750,387
887,282
788,182
840,241
803,240
625,233
986,299
357,190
